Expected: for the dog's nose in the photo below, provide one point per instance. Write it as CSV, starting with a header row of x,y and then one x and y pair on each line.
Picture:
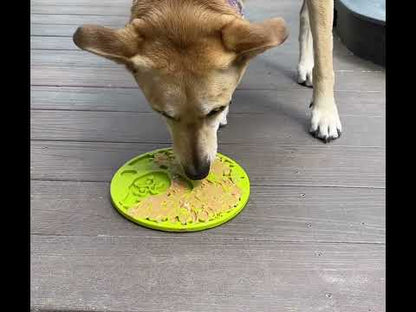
x,y
198,172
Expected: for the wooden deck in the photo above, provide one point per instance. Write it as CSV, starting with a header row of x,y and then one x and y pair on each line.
x,y
312,237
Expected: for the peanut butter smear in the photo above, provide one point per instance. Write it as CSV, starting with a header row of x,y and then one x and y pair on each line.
x,y
182,200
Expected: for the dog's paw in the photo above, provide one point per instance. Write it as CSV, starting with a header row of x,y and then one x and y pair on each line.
x,y
223,121
325,123
305,74
223,124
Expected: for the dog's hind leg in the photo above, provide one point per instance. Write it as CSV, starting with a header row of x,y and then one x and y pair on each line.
x,y
305,64
325,122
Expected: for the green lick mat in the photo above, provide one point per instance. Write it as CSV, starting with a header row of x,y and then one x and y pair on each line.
x,y
149,190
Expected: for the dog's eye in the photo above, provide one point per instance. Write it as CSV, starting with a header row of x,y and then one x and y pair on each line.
x,y
166,115
216,111
131,68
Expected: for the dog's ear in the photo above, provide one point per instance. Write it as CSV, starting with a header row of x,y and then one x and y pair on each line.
x,y
115,44
243,37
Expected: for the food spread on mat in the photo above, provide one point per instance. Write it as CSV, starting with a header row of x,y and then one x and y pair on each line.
x,y
177,199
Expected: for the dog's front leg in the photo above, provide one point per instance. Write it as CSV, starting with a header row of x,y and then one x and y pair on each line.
x,y
223,120
305,64
325,122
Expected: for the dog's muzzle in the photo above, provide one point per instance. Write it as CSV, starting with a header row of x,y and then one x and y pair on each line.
x,y
198,171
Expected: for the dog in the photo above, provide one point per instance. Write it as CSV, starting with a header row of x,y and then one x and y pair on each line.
x,y
188,57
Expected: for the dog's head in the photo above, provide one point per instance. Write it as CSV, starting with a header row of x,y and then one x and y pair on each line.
x,y
188,62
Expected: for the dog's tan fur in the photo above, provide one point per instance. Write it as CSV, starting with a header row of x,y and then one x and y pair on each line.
x,y
316,19
188,57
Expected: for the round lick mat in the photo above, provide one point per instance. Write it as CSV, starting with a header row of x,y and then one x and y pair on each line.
x,y
149,190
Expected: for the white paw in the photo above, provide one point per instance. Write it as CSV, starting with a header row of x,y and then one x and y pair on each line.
x,y
305,74
325,122
223,121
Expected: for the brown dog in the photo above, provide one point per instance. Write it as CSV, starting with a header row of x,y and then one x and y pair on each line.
x,y
188,57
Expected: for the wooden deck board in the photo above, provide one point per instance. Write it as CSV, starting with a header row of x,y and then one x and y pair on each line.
x,y
78,58
191,273
267,164
283,126
244,101
259,76
312,237
349,215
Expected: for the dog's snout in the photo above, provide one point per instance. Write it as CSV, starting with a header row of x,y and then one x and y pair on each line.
x,y
198,171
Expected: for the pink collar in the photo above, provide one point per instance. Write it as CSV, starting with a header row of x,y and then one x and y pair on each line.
x,y
237,5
